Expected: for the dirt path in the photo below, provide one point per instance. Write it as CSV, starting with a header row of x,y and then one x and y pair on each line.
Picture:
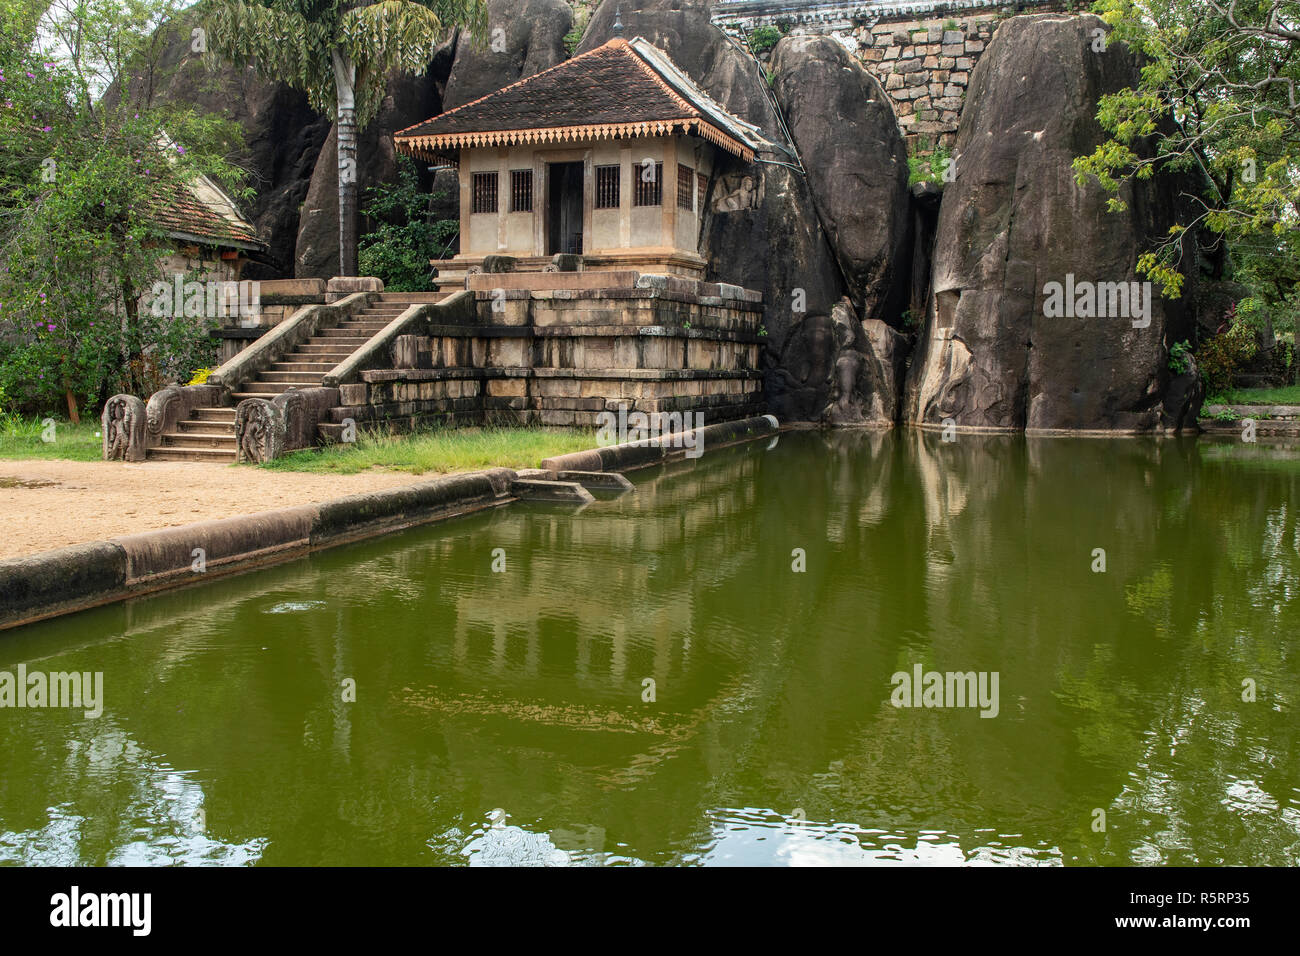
x,y
50,504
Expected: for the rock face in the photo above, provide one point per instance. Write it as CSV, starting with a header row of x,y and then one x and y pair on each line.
x,y
867,374
851,145
282,137
993,353
524,37
761,230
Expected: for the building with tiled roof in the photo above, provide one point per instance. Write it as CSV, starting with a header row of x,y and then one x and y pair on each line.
x,y
608,155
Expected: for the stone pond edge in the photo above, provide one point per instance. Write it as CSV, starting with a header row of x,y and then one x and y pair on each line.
x,y
78,577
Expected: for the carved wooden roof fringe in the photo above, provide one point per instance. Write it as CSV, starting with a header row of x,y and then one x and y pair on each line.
x,y
616,91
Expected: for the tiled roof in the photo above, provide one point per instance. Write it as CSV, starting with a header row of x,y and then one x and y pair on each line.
x,y
617,90
202,213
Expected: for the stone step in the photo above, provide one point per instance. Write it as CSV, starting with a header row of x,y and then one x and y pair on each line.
x,y
195,427
214,414
408,298
292,378
338,337
217,455
184,440
263,387
322,349
340,344
256,392
302,365
327,359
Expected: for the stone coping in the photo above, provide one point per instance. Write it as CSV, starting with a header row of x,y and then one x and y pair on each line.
x,y
51,583
704,333
377,376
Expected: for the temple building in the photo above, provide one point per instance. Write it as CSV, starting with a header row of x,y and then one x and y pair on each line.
x,y
608,156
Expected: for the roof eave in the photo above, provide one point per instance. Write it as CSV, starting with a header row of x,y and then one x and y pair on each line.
x,y
430,145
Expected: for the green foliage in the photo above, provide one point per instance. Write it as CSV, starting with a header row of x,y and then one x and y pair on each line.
x,y
764,38
295,41
80,183
399,248
1220,357
928,164
1180,358
25,438
1290,395
440,450
1216,102
574,37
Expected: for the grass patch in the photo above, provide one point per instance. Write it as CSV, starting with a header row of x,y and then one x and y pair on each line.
x,y
23,438
440,450
1290,395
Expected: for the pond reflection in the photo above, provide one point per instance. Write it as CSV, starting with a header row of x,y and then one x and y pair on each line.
x,y
651,681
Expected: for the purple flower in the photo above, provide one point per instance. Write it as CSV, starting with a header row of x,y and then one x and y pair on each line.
x,y
46,129
50,326
181,150
31,76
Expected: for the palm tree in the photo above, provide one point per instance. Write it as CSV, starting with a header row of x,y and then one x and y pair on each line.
x,y
338,52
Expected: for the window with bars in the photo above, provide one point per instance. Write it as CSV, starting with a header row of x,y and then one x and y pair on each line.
x,y
649,185
485,192
521,190
607,190
702,187
685,187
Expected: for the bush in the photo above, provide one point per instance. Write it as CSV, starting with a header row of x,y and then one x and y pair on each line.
x,y
1219,357
764,38
399,248
1180,358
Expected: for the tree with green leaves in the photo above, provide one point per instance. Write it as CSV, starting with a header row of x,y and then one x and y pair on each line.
x,y
81,178
1219,99
339,53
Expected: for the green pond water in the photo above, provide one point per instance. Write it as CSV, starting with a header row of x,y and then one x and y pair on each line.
x,y
500,717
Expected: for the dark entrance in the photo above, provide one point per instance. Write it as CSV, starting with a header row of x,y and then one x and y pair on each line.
x,y
564,208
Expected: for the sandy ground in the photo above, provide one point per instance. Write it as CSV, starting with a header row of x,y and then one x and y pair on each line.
x,y
50,504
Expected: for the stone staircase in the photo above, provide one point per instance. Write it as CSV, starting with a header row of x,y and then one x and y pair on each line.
x,y
209,435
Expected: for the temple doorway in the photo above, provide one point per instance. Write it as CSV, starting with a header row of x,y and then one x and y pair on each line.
x,y
564,208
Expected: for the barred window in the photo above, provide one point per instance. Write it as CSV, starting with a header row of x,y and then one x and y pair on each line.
x,y
521,190
485,192
685,186
649,185
702,187
607,192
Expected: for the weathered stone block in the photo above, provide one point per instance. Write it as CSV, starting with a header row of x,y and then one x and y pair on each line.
x,y
355,394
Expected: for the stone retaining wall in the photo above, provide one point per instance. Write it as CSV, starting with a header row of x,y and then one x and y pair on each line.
x,y
562,356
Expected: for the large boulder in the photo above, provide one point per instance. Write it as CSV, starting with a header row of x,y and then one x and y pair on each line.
x,y
1016,230
761,229
846,132
524,37
282,135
